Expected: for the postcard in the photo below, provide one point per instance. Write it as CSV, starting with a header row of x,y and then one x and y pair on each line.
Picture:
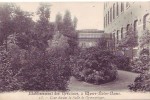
x,y
75,50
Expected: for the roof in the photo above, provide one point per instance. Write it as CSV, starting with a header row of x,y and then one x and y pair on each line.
x,y
90,31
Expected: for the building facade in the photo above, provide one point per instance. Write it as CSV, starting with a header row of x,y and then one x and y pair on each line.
x,y
119,16
89,37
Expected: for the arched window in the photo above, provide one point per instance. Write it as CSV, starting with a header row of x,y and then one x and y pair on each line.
x,y
127,4
117,36
114,39
114,11
146,21
122,33
117,9
108,17
128,25
104,22
135,25
122,7
110,14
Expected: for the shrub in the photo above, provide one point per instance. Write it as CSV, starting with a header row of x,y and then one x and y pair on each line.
x,y
50,74
142,65
141,83
94,66
33,69
138,66
122,62
42,72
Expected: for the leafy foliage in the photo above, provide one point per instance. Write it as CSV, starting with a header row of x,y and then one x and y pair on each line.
x,y
75,20
58,45
13,21
145,38
142,82
43,28
34,59
67,27
122,62
59,22
33,69
141,65
130,39
94,66
102,43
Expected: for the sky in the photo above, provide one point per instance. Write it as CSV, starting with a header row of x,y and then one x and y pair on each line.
x,y
89,15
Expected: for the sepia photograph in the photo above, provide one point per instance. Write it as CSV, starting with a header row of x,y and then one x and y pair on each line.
x,y
75,50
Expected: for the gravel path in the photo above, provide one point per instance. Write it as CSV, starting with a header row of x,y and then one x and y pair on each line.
x,y
124,79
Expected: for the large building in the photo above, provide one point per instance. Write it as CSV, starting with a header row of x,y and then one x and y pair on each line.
x,y
119,16
89,37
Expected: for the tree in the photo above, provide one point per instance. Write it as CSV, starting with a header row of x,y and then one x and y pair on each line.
x,y
44,11
67,24
130,41
43,28
145,38
102,43
22,21
75,20
6,21
69,31
59,45
59,22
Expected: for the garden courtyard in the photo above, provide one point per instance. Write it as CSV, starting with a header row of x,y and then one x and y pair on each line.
x,y
45,56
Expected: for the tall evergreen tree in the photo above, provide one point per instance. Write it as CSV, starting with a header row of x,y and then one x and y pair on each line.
x,y
75,21
43,28
69,31
67,24
59,22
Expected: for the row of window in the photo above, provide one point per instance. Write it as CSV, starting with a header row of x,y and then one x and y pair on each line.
x,y
106,4
120,33
114,11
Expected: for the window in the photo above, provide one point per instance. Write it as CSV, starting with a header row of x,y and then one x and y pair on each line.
x,y
127,4
117,9
108,17
128,25
104,22
117,36
122,7
146,21
121,33
135,25
114,38
114,11
110,14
